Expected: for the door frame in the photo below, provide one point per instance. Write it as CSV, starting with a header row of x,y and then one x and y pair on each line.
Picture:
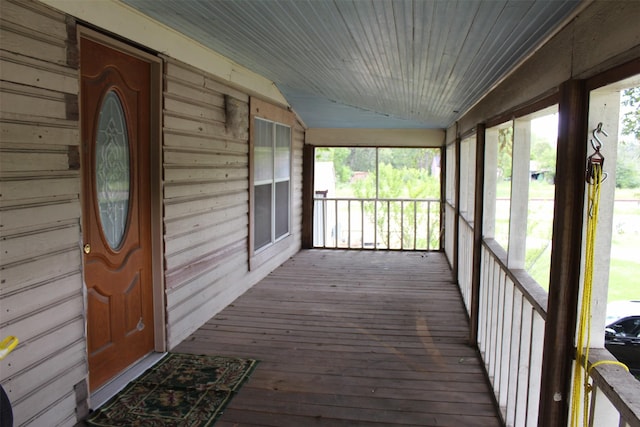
x,y
155,184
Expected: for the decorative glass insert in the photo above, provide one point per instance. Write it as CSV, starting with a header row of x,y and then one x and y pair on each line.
x,y
112,170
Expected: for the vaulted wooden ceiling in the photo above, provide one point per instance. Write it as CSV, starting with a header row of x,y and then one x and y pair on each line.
x,y
370,63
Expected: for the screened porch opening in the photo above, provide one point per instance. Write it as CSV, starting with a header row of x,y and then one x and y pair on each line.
x,y
377,198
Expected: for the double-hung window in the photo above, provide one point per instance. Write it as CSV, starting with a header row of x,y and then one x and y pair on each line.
x,y
271,182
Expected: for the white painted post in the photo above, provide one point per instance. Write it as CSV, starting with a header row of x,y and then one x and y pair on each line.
x,y
520,177
603,413
522,394
514,357
490,183
471,178
604,107
464,178
450,170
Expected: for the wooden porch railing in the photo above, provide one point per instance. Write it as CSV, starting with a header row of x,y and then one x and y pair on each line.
x,y
376,223
511,323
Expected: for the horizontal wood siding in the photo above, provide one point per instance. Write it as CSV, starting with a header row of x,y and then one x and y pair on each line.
x,y
40,263
206,197
205,200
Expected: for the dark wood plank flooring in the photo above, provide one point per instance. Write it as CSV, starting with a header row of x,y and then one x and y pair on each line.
x,y
352,338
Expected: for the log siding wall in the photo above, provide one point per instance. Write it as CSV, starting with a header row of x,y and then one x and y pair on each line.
x,y
205,184
41,291
206,197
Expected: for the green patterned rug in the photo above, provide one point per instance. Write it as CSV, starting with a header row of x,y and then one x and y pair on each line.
x,y
180,390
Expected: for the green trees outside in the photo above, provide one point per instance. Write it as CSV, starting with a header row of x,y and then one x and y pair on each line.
x,y
337,155
395,220
631,119
356,162
627,170
396,183
505,152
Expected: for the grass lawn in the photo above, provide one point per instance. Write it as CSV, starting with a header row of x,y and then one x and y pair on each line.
x,y
623,280
625,258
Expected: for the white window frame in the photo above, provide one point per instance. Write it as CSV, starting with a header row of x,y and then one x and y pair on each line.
x,y
259,109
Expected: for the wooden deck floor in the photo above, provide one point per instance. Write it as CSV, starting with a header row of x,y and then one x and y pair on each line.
x,y
352,338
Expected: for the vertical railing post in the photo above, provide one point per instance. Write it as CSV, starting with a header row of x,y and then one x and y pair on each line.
x,y
401,224
477,234
361,224
375,224
349,224
388,224
429,224
415,225
564,283
324,222
335,225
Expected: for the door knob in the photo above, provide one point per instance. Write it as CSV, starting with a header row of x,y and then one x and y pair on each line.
x,y
87,248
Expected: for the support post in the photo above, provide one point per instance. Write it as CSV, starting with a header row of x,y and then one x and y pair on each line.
x,y
520,179
604,107
443,198
477,232
466,206
308,163
490,182
456,223
564,283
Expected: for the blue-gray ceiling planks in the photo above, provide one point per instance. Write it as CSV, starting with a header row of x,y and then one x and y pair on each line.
x,y
370,63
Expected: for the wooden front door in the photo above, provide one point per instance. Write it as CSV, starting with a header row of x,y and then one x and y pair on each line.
x,y
115,112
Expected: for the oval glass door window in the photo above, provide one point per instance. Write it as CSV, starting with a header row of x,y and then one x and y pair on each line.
x,y
112,170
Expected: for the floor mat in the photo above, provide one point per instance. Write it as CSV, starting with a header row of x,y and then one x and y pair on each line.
x,y
180,390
